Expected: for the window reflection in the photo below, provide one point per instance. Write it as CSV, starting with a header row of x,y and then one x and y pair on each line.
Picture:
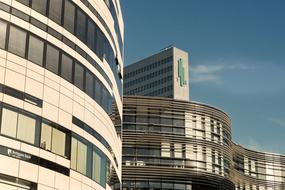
x,y
3,28
17,41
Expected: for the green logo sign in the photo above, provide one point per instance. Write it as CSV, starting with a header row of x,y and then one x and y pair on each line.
x,y
181,72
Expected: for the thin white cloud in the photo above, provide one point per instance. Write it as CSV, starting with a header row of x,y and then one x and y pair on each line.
x,y
254,145
211,73
205,78
277,121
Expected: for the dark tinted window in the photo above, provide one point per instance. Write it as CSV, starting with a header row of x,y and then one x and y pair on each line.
x,y
17,41
89,84
52,59
3,29
100,44
66,67
55,10
104,100
98,91
36,50
90,35
79,76
80,26
40,6
69,13
25,2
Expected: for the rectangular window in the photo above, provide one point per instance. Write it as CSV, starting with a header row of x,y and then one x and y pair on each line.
x,y
73,159
80,25
104,101
46,137
53,140
96,167
20,126
52,59
3,30
17,41
91,40
26,129
9,123
36,50
98,91
100,44
69,13
89,84
55,7
66,67
40,6
58,142
79,76
82,158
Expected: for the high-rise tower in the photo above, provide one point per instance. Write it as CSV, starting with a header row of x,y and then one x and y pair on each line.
x,y
164,74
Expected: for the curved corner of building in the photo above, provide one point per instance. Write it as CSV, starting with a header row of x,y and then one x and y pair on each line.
x,y
61,65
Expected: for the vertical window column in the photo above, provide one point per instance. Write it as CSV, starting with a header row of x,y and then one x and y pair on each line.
x,y
3,30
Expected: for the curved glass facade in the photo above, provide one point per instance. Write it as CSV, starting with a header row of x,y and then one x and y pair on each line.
x,y
176,144
172,144
60,94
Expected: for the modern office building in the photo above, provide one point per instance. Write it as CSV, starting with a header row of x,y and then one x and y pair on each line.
x,y
174,144
164,74
60,85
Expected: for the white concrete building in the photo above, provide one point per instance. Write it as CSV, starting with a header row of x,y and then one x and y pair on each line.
x,y
60,85
164,74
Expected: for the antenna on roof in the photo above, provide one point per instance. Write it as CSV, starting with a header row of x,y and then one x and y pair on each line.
x,y
167,47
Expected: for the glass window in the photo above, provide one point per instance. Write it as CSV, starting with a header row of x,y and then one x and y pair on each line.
x,y
53,139
17,41
55,10
46,137
166,129
104,99
179,122
100,44
25,2
154,120
3,29
96,167
91,41
58,142
167,185
9,122
52,59
26,128
66,67
40,6
98,91
166,121
80,26
81,157
79,76
74,147
89,84
36,50
69,13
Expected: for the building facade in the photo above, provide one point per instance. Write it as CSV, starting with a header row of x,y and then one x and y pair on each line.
x,y
60,94
164,74
182,145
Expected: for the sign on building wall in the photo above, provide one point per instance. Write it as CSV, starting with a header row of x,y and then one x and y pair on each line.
x,y
181,72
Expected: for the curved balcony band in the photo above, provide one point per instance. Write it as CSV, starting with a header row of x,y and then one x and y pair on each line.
x,y
173,144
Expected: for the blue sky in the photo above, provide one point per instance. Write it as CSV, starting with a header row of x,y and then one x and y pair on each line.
x,y
237,57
